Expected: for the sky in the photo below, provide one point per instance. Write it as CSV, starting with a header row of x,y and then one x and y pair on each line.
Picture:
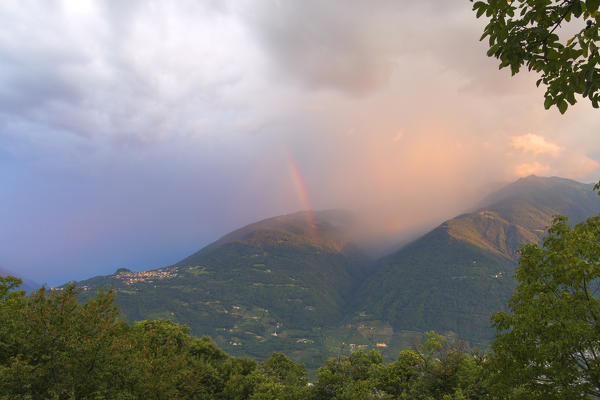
x,y
134,133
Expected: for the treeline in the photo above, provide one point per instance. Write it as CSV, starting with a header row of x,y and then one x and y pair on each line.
x,y
52,346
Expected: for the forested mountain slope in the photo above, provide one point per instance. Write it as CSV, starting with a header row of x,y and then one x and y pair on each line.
x,y
270,286
296,283
455,276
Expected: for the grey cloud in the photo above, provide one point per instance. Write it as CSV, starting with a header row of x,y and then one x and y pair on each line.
x,y
145,70
32,76
346,47
354,46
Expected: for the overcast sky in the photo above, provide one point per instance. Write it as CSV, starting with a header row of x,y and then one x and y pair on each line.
x,y
132,133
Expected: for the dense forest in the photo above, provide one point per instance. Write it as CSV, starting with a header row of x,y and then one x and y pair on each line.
x,y
52,346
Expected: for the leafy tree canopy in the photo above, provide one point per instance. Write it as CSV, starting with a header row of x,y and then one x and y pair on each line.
x,y
556,38
549,346
54,346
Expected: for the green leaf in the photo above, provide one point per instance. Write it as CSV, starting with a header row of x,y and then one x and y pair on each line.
x,y
577,10
592,5
562,106
480,10
588,86
524,33
492,50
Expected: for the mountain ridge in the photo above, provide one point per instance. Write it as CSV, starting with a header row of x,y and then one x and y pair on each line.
x,y
269,286
300,225
298,283
471,256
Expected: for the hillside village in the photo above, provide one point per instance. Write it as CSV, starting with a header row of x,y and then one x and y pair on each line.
x,y
130,278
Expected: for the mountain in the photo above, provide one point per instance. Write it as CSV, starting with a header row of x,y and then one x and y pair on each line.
x,y
270,286
455,276
297,283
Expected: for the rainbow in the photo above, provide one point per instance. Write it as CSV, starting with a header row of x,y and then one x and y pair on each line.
x,y
302,193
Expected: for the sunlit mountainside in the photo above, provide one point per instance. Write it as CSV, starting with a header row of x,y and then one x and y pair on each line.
x,y
298,284
452,278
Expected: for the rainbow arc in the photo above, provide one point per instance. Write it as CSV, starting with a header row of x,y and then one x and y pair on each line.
x,y
302,192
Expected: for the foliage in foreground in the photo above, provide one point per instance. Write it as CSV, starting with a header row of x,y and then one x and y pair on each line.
x,y
537,34
549,346
52,346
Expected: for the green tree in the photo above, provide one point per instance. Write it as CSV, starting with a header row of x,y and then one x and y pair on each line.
x,y
536,34
160,358
53,346
11,306
284,371
354,377
204,375
438,369
283,379
446,369
549,346
404,376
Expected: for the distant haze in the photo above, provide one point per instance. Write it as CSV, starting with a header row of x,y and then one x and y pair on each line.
x,y
134,133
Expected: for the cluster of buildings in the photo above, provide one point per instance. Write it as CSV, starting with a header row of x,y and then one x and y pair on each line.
x,y
130,278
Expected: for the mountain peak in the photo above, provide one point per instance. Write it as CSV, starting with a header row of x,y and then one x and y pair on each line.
x,y
295,283
548,180
326,228
521,211
455,276
554,195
